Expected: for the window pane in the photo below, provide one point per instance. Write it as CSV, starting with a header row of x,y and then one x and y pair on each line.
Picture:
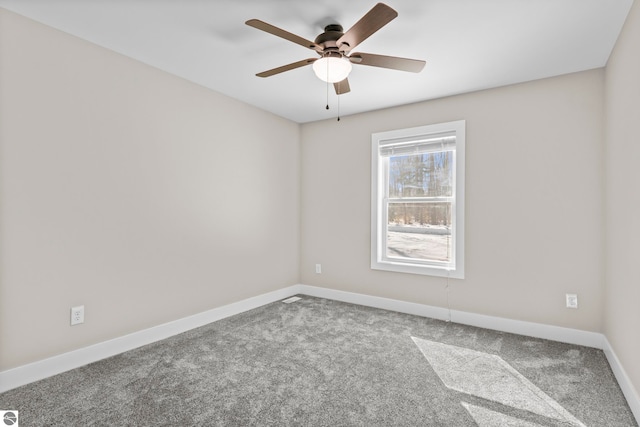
x,y
421,175
419,231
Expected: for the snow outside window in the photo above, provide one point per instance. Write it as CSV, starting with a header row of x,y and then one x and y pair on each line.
x,y
417,200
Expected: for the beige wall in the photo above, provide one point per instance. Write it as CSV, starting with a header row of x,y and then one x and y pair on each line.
x,y
142,196
534,211
622,154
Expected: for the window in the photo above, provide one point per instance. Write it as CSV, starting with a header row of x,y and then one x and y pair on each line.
x,y
417,200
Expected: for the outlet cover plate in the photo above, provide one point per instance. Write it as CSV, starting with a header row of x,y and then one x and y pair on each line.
x,y
572,301
77,315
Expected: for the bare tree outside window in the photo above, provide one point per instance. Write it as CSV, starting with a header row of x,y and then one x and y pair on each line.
x,y
419,215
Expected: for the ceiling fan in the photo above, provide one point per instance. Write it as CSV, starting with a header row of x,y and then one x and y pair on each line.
x,y
334,48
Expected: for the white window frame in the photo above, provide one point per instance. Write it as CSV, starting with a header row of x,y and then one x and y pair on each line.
x,y
379,188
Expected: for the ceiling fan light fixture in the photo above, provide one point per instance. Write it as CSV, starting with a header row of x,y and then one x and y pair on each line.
x,y
332,69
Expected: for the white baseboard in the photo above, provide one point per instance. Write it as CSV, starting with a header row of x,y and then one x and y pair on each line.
x,y
633,399
48,367
376,302
530,329
35,371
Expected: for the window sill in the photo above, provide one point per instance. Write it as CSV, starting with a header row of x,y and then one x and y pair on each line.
x,y
425,270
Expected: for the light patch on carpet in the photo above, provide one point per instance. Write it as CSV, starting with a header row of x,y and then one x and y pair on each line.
x,y
487,418
290,300
489,377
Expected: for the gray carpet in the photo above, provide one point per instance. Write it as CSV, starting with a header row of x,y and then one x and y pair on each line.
x,y
318,362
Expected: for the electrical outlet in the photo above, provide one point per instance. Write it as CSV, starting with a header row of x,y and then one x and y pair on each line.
x,y
572,301
77,315
318,268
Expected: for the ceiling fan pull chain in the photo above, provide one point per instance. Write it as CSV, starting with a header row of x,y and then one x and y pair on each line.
x,y
327,86
340,90
327,107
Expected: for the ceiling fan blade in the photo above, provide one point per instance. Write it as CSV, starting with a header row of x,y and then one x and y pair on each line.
x,y
287,67
376,18
261,25
342,87
393,62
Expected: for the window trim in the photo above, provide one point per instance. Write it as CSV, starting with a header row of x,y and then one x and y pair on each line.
x,y
379,261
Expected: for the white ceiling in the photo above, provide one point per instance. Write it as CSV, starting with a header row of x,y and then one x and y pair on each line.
x,y
468,44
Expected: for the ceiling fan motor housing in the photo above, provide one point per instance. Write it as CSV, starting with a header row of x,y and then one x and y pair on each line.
x,y
327,40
